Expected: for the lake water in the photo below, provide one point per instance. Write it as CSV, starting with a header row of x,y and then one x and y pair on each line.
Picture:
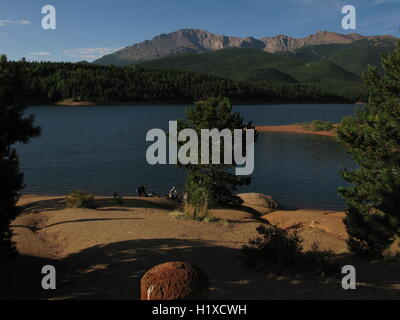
x,y
102,149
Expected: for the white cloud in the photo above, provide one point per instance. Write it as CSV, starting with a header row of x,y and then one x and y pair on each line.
x,y
5,22
314,2
376,2
89,53
342,2
40,53
322,4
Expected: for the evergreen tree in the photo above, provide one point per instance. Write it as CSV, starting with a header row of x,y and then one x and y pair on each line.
x,y
372,138
13,128
213,185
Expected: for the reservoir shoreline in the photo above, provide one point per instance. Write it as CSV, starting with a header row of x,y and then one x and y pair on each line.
x,y
295,129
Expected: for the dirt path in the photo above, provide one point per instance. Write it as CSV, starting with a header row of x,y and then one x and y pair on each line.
x,y
102,254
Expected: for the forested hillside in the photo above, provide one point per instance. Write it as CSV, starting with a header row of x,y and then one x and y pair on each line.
x,y
46,83
335,68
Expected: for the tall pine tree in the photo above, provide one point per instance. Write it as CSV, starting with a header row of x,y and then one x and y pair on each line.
x,y
14,127
214,184
372,138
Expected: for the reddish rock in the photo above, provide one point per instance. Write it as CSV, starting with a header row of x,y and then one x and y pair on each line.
x,y
174,281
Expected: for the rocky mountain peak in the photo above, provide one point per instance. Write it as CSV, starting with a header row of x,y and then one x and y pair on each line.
x,y
199,41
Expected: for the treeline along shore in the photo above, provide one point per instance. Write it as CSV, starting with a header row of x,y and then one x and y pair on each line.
x,y
48,83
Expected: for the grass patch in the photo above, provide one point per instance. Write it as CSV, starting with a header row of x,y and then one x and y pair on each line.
x,y
80,199
318,125
179,215
209,218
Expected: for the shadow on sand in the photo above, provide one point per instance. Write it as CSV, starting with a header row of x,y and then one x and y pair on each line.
x,y
102,203
113,271
33,228
21,277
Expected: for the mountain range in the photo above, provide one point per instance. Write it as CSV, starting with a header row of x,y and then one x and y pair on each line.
x,y
331,61
201,41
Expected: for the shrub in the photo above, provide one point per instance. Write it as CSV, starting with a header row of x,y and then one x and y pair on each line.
x,y
196,203
319,262
283,249
117,200
318,125
80,199
188,214
274,246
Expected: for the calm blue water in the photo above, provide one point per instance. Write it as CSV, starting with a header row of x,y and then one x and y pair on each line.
x,y
102,149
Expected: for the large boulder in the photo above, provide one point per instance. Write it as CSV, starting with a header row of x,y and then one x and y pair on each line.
x,y
174,281
259,201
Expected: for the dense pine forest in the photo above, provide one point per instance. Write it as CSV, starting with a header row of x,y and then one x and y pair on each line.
x,y
47,83
335,68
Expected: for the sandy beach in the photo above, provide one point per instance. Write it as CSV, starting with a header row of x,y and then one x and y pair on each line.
x,y
102,253
295,129
75,103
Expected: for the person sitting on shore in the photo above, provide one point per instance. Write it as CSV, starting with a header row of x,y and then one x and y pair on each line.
x,y
141,191
173,193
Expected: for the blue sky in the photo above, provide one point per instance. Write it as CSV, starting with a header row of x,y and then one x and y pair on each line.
x,y
88,29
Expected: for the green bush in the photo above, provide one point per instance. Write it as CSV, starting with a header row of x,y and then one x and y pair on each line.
x,y
281,248
117,200
196,203
80,199
318,125
319,262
